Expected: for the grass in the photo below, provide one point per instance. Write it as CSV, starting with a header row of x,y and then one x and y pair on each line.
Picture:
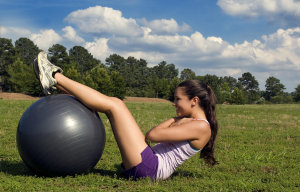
x,y
258,149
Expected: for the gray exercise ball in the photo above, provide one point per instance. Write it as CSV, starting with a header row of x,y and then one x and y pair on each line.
x,y
58,135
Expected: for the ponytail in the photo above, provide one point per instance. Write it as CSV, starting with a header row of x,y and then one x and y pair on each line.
x,y
207,101
207,153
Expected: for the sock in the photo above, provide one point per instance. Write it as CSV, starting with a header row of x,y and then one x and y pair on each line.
x,y
53,74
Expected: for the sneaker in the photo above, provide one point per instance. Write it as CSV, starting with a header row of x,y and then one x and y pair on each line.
x,y
44,69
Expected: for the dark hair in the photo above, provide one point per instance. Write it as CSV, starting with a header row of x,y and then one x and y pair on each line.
x,y
207,101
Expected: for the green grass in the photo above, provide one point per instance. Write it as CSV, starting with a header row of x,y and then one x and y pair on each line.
x,y
258,149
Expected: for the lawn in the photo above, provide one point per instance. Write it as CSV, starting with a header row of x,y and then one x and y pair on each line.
x,y
258,149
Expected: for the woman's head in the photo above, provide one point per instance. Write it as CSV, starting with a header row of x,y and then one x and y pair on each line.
x,y
183,103
194,88
207,102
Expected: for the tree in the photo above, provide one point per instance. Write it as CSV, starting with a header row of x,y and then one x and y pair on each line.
x,y
237,97
26,50
74,74
135,73
116,63
118,85
173,85
59,56
224,93
7,53
162,88
187,74
296,94
101,79
282,98
273,88
161,76
165,71
136,76
250,87
232,83
248,82
22,78
7,57
83,60
214,82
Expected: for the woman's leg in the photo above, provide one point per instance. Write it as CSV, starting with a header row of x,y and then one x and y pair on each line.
x,y
129,137
62,89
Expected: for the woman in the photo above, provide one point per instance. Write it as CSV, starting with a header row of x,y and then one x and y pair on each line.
x,y
193,130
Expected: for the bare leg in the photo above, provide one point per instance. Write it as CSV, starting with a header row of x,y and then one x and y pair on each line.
x,y
62,89
130,139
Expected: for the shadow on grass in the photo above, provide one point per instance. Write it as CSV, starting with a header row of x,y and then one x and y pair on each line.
x,y
188,174
18,168
15,168
118,174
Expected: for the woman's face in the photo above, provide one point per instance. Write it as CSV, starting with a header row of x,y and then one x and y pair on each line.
x,y
182,103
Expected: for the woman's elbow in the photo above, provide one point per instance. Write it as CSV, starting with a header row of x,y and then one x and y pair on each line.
x,y
151,136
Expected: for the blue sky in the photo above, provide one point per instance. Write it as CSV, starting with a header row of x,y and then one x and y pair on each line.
x,y
221,37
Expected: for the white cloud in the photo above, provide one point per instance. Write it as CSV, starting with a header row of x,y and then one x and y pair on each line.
x,y
13,32
174,47
45,39
165,26
270,53
99,48
103,20
276,54
273,52
282,47
254,8
71,35
207,46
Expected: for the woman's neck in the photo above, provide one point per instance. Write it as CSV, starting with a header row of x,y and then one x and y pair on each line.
x,y
198,114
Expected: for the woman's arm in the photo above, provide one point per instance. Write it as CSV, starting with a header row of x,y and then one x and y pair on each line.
x,y
178,129
163,125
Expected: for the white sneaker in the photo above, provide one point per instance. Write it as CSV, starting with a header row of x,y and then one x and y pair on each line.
x,y
44,69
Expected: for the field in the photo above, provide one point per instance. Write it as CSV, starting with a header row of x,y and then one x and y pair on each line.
x,y
258,149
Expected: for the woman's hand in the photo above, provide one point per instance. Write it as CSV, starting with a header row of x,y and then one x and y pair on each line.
x,y
180,120
163,125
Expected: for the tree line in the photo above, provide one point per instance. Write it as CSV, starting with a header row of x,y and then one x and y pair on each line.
x,y
121,77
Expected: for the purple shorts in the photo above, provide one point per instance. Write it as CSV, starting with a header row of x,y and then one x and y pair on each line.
x,y
147,168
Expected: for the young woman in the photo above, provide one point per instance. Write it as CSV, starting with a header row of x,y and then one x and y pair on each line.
x,y
179,138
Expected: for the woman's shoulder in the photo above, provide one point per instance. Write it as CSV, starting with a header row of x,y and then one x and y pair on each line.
x,y
201,119
203,134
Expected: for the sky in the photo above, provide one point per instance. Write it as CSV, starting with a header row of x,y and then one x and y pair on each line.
x,y
218,37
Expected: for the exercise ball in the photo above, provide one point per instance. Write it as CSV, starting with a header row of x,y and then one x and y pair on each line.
x,y
58,135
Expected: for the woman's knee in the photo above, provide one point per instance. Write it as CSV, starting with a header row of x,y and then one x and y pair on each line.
x,y
116,104
116,100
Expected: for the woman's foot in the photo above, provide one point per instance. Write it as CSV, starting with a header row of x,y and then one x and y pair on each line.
x,y
44,70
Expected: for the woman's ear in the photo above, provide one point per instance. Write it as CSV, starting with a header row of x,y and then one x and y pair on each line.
x,y
195,100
